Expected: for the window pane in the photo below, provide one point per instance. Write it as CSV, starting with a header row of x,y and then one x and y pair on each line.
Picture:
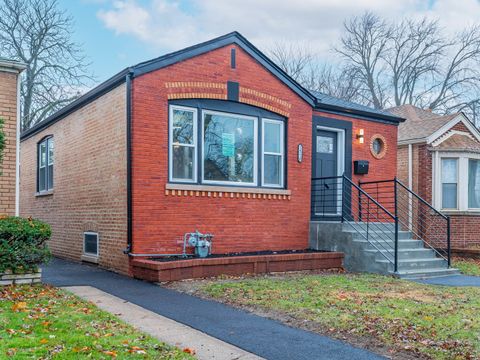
x,y
43,154
272,169
324,145
50,177
228,148
183,158
449,196
473,183
182,126
41,179
91,244
449,170
272,137
50,151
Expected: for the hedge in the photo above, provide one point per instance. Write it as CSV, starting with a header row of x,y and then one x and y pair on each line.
x,y
23,244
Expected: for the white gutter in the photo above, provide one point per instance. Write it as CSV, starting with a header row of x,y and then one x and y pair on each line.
x,y
16,67
17,155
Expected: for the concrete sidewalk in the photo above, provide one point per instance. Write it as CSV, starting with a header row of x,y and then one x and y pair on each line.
x,y
453,280
254,334
162,328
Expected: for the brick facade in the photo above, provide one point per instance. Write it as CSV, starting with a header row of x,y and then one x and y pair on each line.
x,y
239,222
89,180
8,112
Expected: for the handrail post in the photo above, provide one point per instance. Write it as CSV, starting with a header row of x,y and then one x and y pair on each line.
x,y
396,223
449,250
359,201
343,197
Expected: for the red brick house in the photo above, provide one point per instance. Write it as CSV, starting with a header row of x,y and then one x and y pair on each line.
x,y
439,158
214,137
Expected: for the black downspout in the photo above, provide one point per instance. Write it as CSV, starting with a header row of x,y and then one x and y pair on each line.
x,y
129,160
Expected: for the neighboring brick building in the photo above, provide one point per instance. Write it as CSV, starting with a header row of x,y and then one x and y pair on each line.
x,y
10,113
439,159
214,137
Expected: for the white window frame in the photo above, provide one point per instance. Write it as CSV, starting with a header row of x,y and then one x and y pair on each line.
x,y
48,163
171,143
457,160
255,148
468,183
281,153
98,243
462,180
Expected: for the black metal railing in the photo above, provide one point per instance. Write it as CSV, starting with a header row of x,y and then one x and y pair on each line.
x,y
414,214
338,198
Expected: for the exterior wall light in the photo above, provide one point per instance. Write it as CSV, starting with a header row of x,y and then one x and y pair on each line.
x,y
361,136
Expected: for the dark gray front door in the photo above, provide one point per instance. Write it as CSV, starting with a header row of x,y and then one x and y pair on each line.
x,y
325,165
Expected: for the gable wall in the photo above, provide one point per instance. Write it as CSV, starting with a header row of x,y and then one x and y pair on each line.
x,y
240,222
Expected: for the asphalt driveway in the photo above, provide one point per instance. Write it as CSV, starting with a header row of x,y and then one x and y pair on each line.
x,y
263,337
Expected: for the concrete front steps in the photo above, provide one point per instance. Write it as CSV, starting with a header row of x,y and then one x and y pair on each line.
x,y
415,261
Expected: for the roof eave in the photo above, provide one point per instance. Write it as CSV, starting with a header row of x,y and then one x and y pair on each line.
x,y
364,114
12,66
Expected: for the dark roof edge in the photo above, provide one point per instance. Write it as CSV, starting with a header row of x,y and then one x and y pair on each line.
x,y
366,115
216,43
88,97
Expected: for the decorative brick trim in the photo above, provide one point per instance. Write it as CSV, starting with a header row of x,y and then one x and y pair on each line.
x,y
196,84
384,150
226,192
263,100
195,95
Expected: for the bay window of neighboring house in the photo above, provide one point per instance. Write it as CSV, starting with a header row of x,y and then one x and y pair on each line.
x,y
457,182
225,148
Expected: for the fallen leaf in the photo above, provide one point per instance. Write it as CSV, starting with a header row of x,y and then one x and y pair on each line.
x,y
43,341
189,351
111,353
19,306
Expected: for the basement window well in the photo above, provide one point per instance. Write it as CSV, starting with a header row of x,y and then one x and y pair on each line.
x,y
90,246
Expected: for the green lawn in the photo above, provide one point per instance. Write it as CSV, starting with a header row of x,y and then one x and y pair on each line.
x,y
433,321
45,322
467,266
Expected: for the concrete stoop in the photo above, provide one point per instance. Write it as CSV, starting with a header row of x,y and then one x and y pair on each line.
x,y
376,255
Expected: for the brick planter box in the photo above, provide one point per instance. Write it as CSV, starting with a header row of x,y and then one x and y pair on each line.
x,y
9,278
158,271
466,253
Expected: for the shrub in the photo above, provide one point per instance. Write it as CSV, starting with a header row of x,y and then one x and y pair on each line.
x,y
23,244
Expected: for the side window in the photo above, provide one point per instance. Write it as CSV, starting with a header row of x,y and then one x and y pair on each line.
x,y
45,165
273,153
449,183
183,144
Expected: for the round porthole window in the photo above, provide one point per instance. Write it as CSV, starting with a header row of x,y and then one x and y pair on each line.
x,y
378,146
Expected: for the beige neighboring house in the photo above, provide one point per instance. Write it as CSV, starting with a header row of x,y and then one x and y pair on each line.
x,y
10,113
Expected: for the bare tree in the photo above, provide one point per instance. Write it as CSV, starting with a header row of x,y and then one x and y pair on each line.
x,y
39,34
363,46
413,62
415,50
295,59
304,66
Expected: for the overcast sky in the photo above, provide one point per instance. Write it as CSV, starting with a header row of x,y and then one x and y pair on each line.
x,y
119,33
